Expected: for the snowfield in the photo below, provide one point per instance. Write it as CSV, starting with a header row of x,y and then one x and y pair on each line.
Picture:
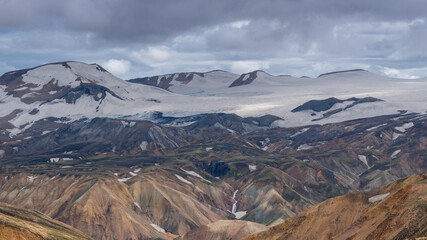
x,y
377,198
276,95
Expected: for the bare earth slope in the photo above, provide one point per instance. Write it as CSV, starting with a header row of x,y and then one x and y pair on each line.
x,y
18,223
224,229
396,211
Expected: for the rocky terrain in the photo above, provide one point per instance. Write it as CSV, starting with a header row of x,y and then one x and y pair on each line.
x,y
169,186
18,223
107,157
395,211
224,229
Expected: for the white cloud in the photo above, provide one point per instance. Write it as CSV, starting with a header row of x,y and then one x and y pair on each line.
x,y
417,22
239,24
153,53
396,73
117,67
248,66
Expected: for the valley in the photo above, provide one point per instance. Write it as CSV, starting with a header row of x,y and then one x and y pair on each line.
x,y
125,160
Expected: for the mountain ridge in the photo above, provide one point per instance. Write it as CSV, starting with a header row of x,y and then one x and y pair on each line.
x,y
395,211
18,223
88,91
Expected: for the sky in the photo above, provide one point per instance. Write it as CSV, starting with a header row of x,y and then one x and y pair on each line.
x,y
137,38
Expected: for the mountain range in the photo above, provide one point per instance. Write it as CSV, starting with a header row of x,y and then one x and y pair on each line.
x,y
199,155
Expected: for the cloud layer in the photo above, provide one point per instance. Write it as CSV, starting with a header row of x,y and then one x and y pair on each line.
x,y
140,37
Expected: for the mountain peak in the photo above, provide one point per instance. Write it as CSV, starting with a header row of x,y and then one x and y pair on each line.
x,y
344,71
66,80
67,73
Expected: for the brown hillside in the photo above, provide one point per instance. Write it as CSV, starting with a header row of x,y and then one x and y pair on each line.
x,y
20,224
400,215
224,229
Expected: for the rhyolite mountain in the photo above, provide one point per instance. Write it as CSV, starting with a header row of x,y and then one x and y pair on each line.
x,y
395,211
180,155
18,223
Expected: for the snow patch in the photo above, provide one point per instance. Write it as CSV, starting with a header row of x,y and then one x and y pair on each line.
x,y
57,159
377,198
143,145
375,127
266,141
308,147
31,179
304,147
252,167
208,149
192,173
183,180
158,228
305,188
395,135
231,131
124,123
395,153
240,214
2,152
137,205
363,159
123,179
300,132
404,127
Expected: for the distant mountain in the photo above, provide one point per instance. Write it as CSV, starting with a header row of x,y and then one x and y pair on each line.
x,y
257,93
67,91
192,83
70,91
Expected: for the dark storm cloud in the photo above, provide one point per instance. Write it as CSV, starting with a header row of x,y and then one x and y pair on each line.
x,y
147,20
175,35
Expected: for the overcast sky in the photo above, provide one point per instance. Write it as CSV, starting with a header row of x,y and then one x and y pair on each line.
x,y
135,38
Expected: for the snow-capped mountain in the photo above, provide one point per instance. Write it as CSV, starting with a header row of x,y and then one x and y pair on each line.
x,y
258,93
68,90
71,91
192,83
